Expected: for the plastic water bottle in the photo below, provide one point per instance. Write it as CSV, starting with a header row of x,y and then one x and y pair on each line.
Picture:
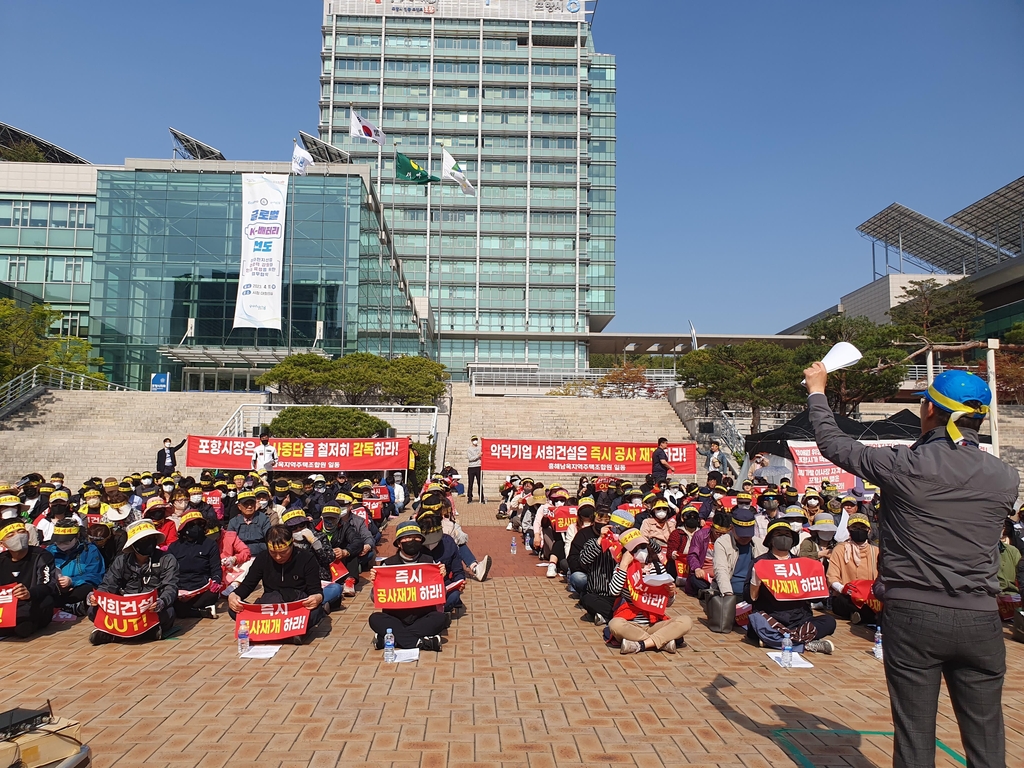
x,y
389,647
513,545
787,651
877,651
243,637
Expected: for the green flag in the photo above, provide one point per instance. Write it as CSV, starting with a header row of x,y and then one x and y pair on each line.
x,y
407,169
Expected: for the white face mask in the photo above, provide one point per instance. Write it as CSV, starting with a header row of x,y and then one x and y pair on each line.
x,y
168,487
57,484
263,503
16,542
147,481
661,514
641,556
812,502
92,502
797,526
167,445
717,496
195,498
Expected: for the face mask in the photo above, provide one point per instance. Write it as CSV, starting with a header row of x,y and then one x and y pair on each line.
x,y
195,498
263,503
264,441
319,487
157,514
431,540
780,543
17,542
826,536
412,547
297,536
661,514
167,444
92,503
168,487
232,493
31,492
717,496
812,502
192,532
344,512
797,526
559,503
690,524
57,485
770,504
330,524
858,535
145,547
640,556
146,482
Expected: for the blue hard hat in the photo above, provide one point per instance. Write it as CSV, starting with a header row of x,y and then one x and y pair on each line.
x,y
958,386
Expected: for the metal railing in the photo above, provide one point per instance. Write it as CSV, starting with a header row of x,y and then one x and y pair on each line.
x,y
740,420
45,376
418,422
586,380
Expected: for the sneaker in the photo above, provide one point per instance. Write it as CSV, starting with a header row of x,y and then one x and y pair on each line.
x,y
552,570
588,618
78,609
98,637
599,619
377,642
298,639
629,646
670,647
432,643
855,618
209,611
349,590
509,527
159,634
483,568
820,646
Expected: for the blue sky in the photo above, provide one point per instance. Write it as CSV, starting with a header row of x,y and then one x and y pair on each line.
x,y
753,137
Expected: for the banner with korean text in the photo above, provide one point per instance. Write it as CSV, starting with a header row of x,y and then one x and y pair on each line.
x,y
273,621
582,456
261,274
8,606
563,517
122,615
798,578
417,585
302,454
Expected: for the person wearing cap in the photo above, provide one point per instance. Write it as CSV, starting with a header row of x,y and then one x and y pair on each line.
x,y
235,557
197,502
636,628
199,568
317,498
796,517
30,490
700,559
818,545
766,509
288,574
158,511
101,536
474,457
712,503
120,508
660,524
141,567
598,561
580,533
58,509
412,627
853,560
943,505
147,487
267,504
734,554
771,618
399,492
443,549
550,542
306,537
31,569
349,538
678,546
79,564
811,502
93,503
250,524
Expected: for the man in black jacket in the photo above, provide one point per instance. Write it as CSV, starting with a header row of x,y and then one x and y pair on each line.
x,y
586,530
198,568
166,458
349,536
34,575
288,575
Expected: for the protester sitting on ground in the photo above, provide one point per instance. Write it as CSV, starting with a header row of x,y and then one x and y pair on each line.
x,y
598,559
141,567
580,533
477,569
771,618
1009,561
519,504
93,503
735,553
31,569
678,546
818,546
251,525
57,510
288,575
11,510
532,508
199,568
637,628
853,560
349,537
235,557
796,517
812,502
305,537
660,524
701,557
443,550
712,502
120,508
549,543
158,511
101,536
412,627
80,565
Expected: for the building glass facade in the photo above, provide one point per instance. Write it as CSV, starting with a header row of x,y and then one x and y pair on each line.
x,y
516,92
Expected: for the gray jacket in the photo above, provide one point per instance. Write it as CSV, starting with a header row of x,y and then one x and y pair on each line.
x,y
127,576
943,507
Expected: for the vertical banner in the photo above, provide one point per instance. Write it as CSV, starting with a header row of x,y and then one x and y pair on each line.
x,y
8,607
261,274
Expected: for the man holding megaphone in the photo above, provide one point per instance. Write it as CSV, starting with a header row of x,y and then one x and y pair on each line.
x,y
943,506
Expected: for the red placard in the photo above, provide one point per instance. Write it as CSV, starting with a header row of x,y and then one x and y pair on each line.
x,y
562,518
810,467
651,599
338,571
581,456
273,621
302,454
603,483
408,586
362,512
8,606
610,543
381,492
374,506
189,594
728,502
120,615
94,519
797,578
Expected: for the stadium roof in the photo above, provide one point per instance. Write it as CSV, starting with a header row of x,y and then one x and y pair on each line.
x,y
194,149
321,151
997,217
9,136
931,244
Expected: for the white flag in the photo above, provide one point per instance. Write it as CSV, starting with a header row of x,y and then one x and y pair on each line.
x,y
450,170
361,128
264,204
301,160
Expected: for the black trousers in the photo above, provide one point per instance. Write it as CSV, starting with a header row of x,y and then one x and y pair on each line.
x,y
32,615
596,604
74,595
407,635
474,474
923,645
166,618
190,609
842,606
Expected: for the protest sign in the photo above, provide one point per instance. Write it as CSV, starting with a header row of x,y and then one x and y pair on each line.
x,y
274,621
547,456
338,571
302,454
122,615
644,596
562,518
189,594
8,606
797,578
416,585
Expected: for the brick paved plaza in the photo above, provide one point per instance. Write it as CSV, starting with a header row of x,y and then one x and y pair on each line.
x,y
520,682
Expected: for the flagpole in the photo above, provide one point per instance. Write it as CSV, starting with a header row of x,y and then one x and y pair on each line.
x,y
430,228
440,250
393,260
291,255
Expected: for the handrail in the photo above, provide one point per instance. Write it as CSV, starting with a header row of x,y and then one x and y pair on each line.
x,y
53,378
586,380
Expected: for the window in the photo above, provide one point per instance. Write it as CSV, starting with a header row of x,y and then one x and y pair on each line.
x,y
71,324
544,142
393,89
561,219
597,73
503,217
357,41
562,169
361,65
557,118
457,67
602,97
557,70
6,212
505,94
357,89
603,172
398,65
455,91
552,94
457,43
504,69
406,115
552,244
455,117
505,118
504,142
498,166
67,270
17,269
20,214
401,41
500,44
39,214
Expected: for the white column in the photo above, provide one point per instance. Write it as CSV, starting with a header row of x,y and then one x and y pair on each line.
x,y
993,408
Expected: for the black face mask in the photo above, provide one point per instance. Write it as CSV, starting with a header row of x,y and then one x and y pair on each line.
x,y
145,547
412,547
858,535
781,543
31,492
157,515
193,533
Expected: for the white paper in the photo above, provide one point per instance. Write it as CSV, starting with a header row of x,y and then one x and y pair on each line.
x,y
799,662
407,654
261,652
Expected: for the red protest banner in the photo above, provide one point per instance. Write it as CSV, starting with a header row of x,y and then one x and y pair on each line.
x,y
728,502
535,456
797,578
610,543
408,586
810,467
8,606
651,599
338,571
184,594
374,506
122,615
294,455
562,518
273,621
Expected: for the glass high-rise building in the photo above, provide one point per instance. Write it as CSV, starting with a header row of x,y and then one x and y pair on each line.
x,y
516,92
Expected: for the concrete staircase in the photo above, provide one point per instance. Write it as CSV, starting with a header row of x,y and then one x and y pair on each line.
x,y
556,418
85,434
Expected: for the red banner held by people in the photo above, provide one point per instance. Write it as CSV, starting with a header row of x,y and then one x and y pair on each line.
x,y
562,518
338,571
302,454
582,456
797,578
8,606
651,599
416,585
273,621
810,467
122,615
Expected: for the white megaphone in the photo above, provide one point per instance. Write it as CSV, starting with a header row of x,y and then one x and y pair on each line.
x,y
842,355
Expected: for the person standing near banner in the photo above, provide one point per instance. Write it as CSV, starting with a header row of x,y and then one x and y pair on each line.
x,y
940,613
264,456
